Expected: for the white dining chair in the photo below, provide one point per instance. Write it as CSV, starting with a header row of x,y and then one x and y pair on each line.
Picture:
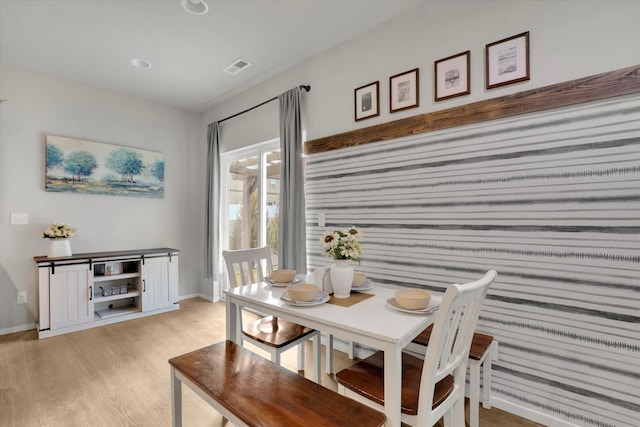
x,y
268,333
437,391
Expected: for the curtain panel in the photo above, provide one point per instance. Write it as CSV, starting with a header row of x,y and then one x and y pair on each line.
x,y
212,214
292,252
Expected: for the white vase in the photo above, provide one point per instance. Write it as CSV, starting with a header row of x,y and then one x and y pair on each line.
x,y
59,248
341,278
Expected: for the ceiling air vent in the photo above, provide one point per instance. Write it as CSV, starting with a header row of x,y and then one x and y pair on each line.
x,y
237,66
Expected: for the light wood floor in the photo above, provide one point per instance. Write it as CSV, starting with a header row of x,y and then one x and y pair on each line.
x,y
118,375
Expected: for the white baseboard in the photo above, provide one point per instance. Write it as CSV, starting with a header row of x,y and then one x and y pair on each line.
x,y
29,326
19,328
530,414
199,295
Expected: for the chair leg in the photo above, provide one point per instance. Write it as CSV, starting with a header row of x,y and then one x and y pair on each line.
x,y
458,412
352,349
486,381
301,357
329,354
474,393
275,357
317,358
449,419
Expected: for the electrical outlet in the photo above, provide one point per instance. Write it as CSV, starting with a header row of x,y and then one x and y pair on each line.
x,y
494,351
321,219
22,297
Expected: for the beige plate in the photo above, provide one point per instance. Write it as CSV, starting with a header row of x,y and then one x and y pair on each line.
x,y
272,282
433,306
366,287
321,298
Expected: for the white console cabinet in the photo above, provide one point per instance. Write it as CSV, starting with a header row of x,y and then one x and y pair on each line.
x,y
93,289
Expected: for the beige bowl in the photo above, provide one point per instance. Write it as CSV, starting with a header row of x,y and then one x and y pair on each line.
x,y
358,279
283,275
413,299
303,292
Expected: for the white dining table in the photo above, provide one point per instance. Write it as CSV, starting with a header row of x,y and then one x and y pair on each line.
x,y
371,322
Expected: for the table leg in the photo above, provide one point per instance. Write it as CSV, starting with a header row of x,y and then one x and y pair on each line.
x,y
392,385
176,399
232,322
329,349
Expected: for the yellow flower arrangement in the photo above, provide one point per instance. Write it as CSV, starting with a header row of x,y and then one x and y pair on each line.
x,y
340,244
59,230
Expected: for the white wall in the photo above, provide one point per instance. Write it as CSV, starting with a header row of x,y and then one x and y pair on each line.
x,y
569,40
546,199
41,104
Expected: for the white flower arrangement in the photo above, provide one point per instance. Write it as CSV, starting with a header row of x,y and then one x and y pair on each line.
x,y
340,244
59,231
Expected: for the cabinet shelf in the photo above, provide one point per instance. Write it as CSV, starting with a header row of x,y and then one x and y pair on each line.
x,y
97,279
113,312
131,294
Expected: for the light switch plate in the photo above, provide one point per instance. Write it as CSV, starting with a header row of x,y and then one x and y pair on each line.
x,y
19,218
22,297
321,219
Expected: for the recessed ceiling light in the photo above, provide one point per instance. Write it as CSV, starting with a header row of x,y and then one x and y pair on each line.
x,y
197,7
140,63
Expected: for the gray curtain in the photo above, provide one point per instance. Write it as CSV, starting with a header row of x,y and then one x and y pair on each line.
x,y
212,218
292,249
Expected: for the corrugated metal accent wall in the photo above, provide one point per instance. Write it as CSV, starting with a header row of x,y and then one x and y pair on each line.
x,y
552,202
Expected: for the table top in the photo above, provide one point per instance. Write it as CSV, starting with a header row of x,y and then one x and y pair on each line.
x,y
371,317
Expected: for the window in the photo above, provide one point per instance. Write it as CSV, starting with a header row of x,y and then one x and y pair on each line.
x,y
250,195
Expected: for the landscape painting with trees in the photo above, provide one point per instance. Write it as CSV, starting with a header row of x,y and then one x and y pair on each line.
x,y
95,168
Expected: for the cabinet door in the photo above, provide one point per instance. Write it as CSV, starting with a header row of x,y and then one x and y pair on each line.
x,y
71,301
156,284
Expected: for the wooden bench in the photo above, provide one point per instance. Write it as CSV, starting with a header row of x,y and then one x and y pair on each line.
x,y
249,390
479,355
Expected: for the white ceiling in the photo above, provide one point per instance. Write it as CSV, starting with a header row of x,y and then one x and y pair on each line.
x,y
92,41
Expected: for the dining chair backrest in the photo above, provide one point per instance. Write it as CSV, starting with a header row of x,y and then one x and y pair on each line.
x,y
248,265
450,342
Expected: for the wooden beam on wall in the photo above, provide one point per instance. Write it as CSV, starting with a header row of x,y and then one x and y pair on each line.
x,y
600,86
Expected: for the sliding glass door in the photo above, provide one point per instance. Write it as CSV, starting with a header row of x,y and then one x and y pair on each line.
x,y
250,197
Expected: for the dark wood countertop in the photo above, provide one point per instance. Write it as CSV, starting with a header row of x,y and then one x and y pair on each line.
x,y
111,254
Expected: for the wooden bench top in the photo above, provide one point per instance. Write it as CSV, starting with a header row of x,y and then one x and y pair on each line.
x,y
261,393
479,344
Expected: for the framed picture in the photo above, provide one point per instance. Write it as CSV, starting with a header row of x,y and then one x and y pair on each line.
x,y
404,91
88,167
367,101
112,268
453,76
507,61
